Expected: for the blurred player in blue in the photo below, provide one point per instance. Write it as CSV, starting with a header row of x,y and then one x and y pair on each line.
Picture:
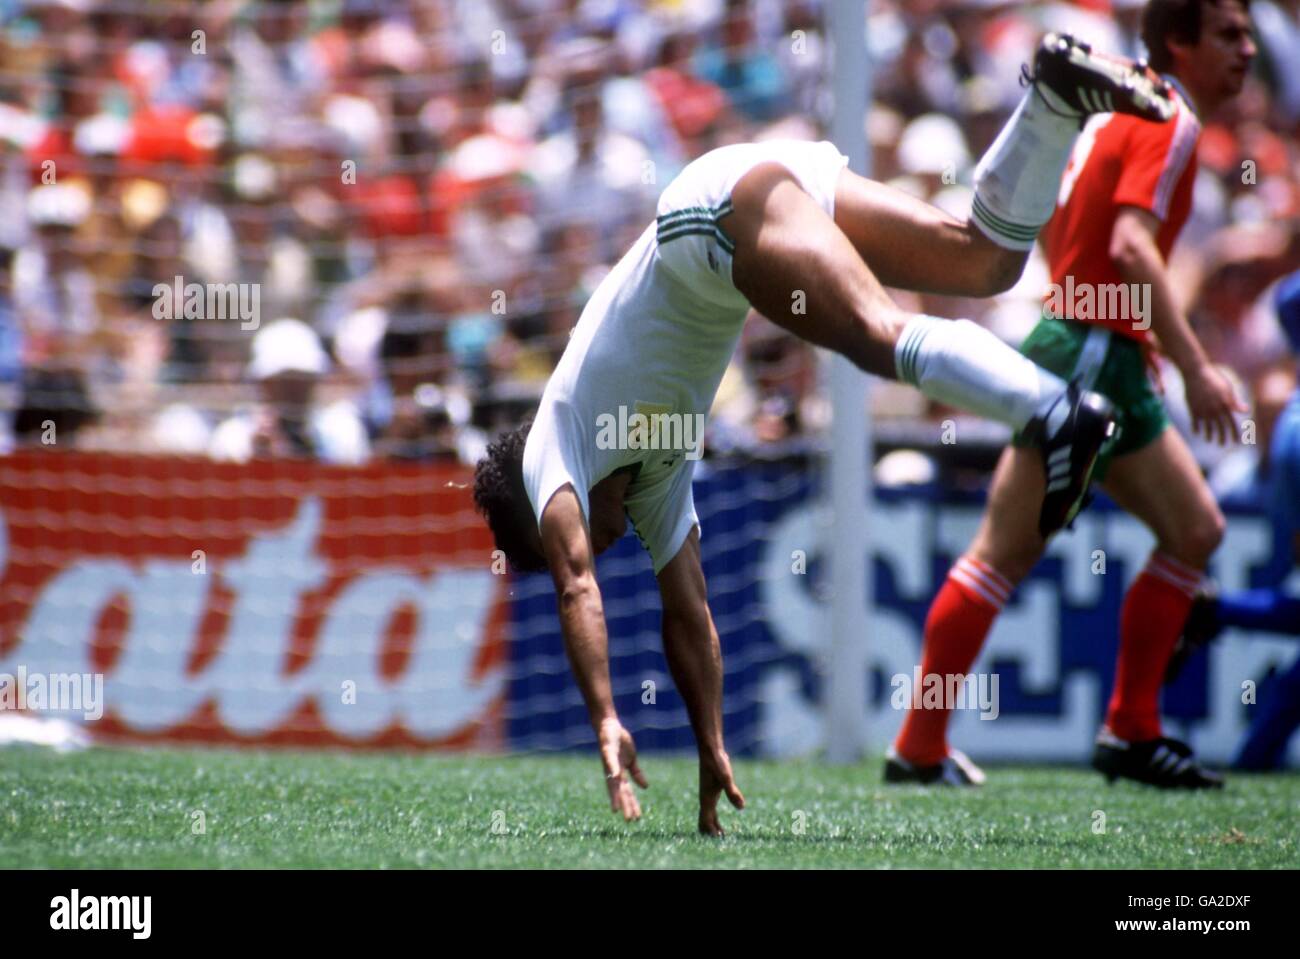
x,y
1265,610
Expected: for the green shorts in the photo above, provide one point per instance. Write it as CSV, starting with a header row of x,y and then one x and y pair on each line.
x,y
1112,365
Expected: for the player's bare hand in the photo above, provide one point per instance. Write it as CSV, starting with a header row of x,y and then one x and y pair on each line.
x,y
716,779
618,753
1212,402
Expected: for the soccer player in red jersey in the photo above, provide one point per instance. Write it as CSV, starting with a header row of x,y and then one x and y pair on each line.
x,y
1124,198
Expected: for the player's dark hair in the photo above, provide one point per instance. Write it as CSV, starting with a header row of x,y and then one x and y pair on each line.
x,y
499,494
1179,20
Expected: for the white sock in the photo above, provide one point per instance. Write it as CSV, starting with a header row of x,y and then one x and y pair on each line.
x,y
1018,179
964,365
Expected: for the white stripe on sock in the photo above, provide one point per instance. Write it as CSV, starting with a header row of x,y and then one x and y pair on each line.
x,y
964,365
965,579
1178,574
1019,176
978,575
990,573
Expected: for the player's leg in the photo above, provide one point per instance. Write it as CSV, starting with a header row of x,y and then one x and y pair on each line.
x,y
1275,722
1259,610
912,245
1254,610
797,267
1018,178
1003,552
1161,485
1009,542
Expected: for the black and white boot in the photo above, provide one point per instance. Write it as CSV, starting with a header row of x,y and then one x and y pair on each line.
x,y
1069,434
1082,82
955,769
1164,763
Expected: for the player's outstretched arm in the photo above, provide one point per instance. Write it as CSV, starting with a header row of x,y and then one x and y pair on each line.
x,y
695,660
1210,397
567,546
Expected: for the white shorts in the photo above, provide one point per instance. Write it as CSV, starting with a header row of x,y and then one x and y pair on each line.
x,y
692,244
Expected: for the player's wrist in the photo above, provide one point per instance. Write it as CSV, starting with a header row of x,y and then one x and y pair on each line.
x,y
1197,370
712,752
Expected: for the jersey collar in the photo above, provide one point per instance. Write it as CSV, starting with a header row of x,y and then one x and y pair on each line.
x,y
1174,82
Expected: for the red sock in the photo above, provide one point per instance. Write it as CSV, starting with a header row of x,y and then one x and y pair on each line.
x,y
960,618
1150,621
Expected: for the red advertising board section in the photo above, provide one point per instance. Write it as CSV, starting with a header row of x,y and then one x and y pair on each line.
x,y
269,551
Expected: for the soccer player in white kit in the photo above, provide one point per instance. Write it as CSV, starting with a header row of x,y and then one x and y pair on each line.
x,y
754,225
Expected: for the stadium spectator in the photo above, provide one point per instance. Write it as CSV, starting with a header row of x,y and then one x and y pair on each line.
x,y
287,365
693,106
11,333
769,399
52,285
587,159
750,75
305,149
421,408
1277,24
54,406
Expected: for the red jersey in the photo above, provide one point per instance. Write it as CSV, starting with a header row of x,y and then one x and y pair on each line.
x,y
1118,160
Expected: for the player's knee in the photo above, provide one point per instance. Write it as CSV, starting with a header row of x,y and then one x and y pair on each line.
x,y
1015,566
1012,561
1002,271
1209,534
1005,272
874,340
1197,540
997,269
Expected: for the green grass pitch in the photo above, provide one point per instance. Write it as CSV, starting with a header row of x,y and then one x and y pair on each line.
x,y
111,808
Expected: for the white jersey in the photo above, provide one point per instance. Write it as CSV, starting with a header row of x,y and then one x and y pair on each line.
x,y
655,339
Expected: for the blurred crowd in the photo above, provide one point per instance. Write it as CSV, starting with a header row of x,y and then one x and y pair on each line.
x,y
356,229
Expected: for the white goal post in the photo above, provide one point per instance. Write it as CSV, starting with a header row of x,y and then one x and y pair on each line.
x,y
849,476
